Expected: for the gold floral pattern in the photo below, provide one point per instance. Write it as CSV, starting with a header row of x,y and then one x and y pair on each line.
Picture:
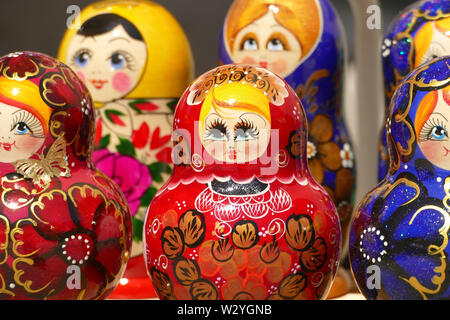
x,y
327,156
263,80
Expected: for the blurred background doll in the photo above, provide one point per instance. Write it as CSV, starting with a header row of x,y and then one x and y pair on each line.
x,y
136,61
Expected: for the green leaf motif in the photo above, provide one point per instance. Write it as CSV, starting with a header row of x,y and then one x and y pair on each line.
x,y
104,142
148,196
109,112
172,104
133,104
138,227
157,168
126,148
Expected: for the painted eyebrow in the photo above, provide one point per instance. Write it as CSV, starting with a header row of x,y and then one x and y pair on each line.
x,y
119,38
440,114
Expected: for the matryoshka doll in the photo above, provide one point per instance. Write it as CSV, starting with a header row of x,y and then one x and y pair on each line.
x,y
302,41
241,217
136,61
65,226
399,238
419,34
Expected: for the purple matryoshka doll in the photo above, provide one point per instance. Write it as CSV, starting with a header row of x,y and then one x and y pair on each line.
x,y
302,41
65,226
241,216
399,238
419,34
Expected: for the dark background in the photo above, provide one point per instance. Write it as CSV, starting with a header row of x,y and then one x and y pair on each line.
x,y
38,25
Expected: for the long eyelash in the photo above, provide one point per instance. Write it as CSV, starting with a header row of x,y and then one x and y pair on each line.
x,y
428,126
78,52
246,125
131,63
31,122
217,124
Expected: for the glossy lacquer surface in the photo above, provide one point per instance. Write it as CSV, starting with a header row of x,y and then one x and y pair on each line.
x,y
65,226
136,61
303,42
399,239
241,217
417,35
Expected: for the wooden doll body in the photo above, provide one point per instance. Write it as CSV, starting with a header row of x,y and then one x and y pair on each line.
x,y
398,241
66,226
241,217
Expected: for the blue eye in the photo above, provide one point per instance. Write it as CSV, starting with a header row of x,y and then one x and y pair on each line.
x,y
438,133
21,128
118,61
217,135
249,44
82,59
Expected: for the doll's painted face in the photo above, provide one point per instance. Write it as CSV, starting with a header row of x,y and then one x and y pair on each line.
x,y
239,137
438,36
110,63
434,135
21,134
267,44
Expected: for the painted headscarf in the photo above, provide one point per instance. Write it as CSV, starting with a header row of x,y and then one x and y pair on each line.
x,y
402,225
168,50
408,44
318,30
285,157
59,100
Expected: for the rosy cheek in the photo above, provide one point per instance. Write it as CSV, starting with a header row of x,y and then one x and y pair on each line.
x,y
81,75
248,60
279,66
433,151
29,143
121,82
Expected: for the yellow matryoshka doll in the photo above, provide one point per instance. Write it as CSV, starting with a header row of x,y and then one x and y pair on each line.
x,y
136,61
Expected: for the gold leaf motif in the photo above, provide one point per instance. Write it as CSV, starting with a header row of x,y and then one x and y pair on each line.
x,y
18,273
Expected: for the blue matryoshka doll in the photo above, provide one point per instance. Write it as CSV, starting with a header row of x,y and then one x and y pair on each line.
x,y
398,243
420,33
303,42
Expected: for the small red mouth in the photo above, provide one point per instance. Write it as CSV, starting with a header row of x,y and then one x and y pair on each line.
x,y
232,155
98,84
7,146
263,64
447,151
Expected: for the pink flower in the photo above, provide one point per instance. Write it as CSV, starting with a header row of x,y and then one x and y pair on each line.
x,y
132,176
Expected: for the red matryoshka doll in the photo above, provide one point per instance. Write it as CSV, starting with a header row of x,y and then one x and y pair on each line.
x,y
136,61
65,226
241,217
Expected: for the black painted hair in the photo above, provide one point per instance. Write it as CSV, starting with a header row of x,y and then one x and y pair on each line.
x,y
104,23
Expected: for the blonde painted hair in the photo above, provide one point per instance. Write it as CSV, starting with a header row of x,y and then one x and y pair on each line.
x,y
424,35
301,18
234,97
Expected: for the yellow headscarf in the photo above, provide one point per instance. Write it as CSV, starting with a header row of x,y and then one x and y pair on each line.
x,y
25,95
169,68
